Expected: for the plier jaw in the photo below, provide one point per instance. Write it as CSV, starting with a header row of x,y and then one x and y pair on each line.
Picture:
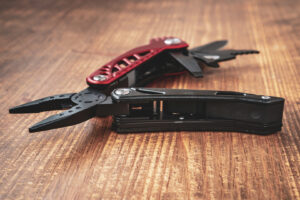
x,y
80,107
55,102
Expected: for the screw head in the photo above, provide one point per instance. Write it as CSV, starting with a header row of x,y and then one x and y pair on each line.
x,y
212,57
265,97
99,78
123,91
171,41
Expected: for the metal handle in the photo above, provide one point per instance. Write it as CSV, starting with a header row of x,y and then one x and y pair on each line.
x,y
128,61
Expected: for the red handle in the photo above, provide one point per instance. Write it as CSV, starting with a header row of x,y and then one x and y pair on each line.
x,y
132,59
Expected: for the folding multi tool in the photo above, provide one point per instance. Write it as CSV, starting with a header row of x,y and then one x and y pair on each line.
x,y
142,109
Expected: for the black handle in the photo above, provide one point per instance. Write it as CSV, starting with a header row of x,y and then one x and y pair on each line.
x,y
171,109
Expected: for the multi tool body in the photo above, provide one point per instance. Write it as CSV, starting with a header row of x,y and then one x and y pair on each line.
x,y
144,109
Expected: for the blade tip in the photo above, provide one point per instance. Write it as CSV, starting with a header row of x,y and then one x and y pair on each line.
x,y
31,130
12,110
16,109
24,108
35,128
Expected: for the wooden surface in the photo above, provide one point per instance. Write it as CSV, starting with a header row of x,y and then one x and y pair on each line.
x,y
49,47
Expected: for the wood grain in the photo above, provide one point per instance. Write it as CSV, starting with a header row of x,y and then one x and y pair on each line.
x,y
49,47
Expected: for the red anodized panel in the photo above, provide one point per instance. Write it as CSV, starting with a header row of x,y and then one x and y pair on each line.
x,y
132,59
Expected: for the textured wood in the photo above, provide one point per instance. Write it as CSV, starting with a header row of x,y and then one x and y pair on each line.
x,y
48,47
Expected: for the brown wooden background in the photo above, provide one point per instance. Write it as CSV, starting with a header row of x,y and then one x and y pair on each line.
x,y
49,47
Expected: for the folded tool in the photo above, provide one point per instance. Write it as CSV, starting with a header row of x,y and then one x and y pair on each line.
x,y
142,109
161,57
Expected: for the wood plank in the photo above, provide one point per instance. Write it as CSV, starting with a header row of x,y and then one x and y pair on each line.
x,y
48,47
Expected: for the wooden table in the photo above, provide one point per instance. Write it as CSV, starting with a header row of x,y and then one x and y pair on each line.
x,y
49,47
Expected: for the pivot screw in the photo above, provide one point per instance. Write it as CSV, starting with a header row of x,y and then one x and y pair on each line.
x,y
99,78
171,41
212,57
123,91
265,97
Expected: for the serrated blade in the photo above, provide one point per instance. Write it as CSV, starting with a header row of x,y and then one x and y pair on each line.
x,y
210,46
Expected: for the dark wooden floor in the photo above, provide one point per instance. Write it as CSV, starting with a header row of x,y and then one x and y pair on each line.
x,y
49,47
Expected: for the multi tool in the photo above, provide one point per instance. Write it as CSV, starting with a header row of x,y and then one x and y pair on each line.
x,y
136,109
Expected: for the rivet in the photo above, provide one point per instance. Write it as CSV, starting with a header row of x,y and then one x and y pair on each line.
x,y
171,41
99,78
123,91
212,57
265,97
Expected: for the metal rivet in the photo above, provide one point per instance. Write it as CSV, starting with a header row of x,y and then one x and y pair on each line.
x,y
99,78
212,57
265,97
170,41
124,91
